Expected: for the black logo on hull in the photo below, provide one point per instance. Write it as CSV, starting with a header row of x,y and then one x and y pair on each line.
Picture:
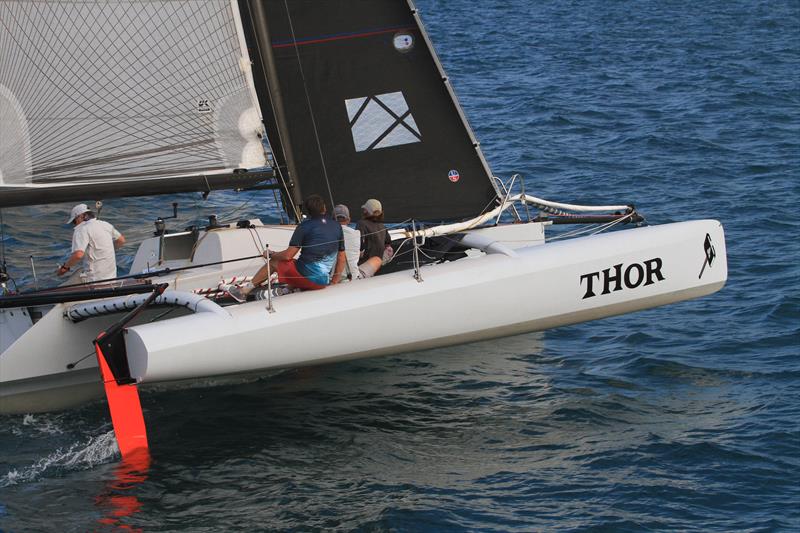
x,y
711,254
615,278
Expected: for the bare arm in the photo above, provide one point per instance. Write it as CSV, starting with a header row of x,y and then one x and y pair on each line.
x,y
274,258
120,242
73,260
286,254
337,272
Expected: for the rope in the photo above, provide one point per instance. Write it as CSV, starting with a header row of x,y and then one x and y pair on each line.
x,y
558,208
592,230
75,363
260,246
278,204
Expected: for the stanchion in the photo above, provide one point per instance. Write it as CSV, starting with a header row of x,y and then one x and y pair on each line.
x,y
270,308
417,273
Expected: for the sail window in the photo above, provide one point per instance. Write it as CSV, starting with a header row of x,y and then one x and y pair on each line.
x,y
381,121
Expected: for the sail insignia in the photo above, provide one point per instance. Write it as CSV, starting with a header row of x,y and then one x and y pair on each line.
x,y
381,121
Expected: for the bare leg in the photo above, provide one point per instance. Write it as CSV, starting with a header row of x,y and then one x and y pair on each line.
x,y
261,276
371,265
240,292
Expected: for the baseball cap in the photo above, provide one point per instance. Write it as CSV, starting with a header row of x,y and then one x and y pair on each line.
x,y
77,211
341,211
372,206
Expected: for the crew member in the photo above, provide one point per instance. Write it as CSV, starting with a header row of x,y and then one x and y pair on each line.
x,y
319,240
94,242
352,241
376,244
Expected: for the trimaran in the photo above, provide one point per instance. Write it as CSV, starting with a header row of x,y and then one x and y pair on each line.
x,y
103,99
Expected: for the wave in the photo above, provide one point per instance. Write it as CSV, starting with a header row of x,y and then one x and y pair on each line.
x,y
658,368
42,424
78,456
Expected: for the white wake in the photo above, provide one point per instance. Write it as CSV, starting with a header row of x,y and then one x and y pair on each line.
x,y
79,456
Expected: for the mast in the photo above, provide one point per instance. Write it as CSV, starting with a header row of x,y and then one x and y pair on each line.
x,y
258,20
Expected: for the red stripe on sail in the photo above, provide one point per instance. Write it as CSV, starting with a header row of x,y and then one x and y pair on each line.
x,y
341,37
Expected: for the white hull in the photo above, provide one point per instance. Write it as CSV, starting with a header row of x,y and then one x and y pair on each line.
x,y
458,302
533,288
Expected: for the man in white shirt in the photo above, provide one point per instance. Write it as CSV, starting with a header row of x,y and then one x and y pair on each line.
x,y
94,242
352,241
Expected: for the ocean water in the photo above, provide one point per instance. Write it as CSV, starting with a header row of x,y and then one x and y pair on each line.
x,y
685,417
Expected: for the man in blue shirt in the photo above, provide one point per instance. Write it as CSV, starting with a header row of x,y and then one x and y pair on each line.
x,y
320,242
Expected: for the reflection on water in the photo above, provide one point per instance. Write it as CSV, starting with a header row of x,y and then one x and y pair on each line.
x,y
118,501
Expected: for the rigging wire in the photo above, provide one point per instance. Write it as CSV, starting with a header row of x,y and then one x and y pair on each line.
x,y
278,205
4,277
2,242
308,103
234,213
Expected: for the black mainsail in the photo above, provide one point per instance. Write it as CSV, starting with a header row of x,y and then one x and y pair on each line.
x,y
360,107
124,97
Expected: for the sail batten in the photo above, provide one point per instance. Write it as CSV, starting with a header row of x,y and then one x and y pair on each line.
x,y
102,91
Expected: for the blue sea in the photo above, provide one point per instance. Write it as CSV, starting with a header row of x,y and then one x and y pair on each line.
x,y
685,417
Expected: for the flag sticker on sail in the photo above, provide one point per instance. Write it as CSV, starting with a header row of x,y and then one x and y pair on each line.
x,y
403,42
381,121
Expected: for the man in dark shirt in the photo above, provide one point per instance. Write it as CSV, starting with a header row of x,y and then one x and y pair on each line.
x,y
375,240
320,242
